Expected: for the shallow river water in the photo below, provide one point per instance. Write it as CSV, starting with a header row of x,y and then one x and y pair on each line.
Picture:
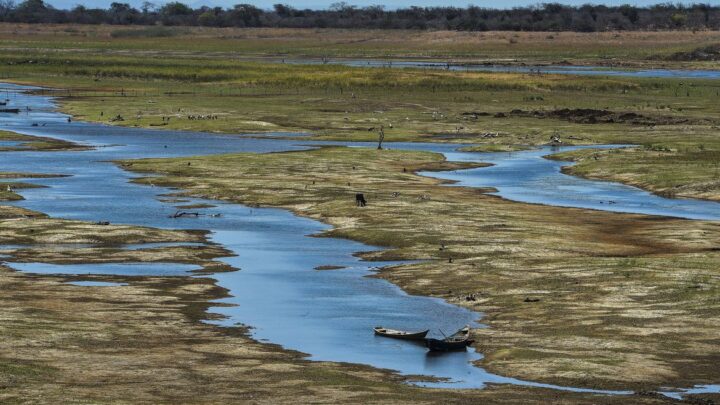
x,y
544,69
327,314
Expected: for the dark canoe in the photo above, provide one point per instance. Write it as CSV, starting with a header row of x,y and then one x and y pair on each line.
x,y
457,341
400,334
447,345
10,110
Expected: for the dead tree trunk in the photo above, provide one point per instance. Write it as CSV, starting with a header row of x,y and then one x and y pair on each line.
x,y
381,137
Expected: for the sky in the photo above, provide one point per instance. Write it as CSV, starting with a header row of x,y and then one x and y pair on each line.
x,y
389,4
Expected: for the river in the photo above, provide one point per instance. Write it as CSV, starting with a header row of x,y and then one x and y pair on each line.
x,y
327,314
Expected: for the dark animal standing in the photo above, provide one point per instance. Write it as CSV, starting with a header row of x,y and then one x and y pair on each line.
x,y
360,200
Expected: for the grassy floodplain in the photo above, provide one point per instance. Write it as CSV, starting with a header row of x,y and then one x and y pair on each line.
x,y
206,91
625,301
604,48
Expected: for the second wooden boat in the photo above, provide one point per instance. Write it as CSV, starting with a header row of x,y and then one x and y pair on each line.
x,y
457,341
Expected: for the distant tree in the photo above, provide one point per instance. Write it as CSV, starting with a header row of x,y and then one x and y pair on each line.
x,y
176,8
6,7
33,11
122,13
147,7
631,13
542,17
211,17
244,15
175,13
283,10
678,19
339,6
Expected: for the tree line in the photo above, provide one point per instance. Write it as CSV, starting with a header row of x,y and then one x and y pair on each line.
x,y
544,17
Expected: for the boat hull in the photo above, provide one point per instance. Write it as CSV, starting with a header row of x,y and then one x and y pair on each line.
x,y
440,345
396,334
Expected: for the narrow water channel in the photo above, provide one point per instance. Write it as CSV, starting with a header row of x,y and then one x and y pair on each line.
x,y
327,314
511,68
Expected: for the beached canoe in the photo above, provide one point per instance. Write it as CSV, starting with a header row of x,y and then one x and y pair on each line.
x,y
400,334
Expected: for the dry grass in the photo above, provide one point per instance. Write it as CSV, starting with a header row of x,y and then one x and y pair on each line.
x,y
603,48
625,301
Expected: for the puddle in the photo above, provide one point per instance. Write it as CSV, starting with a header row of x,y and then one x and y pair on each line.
x,y
50,246
160,245
118,269
96,284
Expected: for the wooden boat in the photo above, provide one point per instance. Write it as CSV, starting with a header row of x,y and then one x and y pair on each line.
x,y
400,334
10,110
457,341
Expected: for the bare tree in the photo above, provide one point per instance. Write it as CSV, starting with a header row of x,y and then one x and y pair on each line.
x,y
6,6
148,7
381,137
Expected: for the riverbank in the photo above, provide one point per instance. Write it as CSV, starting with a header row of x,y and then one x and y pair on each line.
x,y
571,306
652,168
11,141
